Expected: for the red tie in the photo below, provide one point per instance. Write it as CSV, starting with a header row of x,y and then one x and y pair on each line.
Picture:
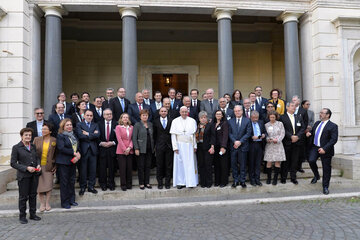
x,y
247,113
139,107
107,132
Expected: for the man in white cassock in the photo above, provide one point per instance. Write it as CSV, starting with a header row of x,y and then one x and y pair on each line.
x,y
183,140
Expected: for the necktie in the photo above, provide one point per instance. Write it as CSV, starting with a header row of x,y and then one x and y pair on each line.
x,y
211,104
238,123
61,117
253,107
87,106
164,124
172,104
139,107
188,112
247,113
259,100
88,124
99,113
122,104
107,132
194,103
292,122
316,141
255,130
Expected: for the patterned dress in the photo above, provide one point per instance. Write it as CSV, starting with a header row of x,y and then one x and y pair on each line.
x,y
274,152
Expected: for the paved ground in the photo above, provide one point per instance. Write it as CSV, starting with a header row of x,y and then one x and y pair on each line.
x,y
325,219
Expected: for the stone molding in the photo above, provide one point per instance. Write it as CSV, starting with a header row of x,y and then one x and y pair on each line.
x,y
290,16
129,11
223,13
53,9
2,13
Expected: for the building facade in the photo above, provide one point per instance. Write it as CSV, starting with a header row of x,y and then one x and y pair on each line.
x,y
303,47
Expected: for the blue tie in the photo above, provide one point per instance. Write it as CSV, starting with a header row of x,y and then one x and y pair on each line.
x,y
172,104
88,124
122,104
255,130
164,124
316,142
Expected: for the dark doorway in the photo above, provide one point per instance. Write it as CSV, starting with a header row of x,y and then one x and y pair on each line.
x,y
162,83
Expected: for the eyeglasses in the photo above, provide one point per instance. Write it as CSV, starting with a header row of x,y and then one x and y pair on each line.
x,y
39,113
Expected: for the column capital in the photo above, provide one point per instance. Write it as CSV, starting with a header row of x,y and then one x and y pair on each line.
x,y
131,11
2,13
289,16
36,11
53,9
221,13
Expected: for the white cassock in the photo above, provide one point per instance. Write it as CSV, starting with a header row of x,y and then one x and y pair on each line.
x,y
183,139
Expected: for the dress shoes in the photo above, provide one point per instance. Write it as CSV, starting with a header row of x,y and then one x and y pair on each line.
x,y
294,181
253,184
235,184
35,218
301,170
74,204
243,185
92,190
180,187
129,187
222,185
103,188
123,188
283,181
112,188
67,206
160,187
314,180
82,191
258,183
23,220
148,186
325,191
142,188
167,186
216,185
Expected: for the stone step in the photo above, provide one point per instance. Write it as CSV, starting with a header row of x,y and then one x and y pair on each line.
x,y
307,174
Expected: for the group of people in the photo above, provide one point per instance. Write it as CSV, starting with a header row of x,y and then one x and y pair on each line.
x,y
182,136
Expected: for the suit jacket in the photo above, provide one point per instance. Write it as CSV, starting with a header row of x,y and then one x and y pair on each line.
x,y
154,111
299,129
116,108
209,137
102,138
33,126
75,119
177,105
162,137
65,151
193,113
150,100
261,108
92,107
197,105
68,111
21,158
139,136
303,114
262,131
328,138
124,141
106,104
229,114
51,154
133,111
90,141
205,106
54,119
98,118
241,133
221,133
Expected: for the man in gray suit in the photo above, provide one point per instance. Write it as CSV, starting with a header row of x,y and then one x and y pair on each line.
x,y
210,105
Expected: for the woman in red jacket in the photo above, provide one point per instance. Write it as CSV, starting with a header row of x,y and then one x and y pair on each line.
x,y
125,150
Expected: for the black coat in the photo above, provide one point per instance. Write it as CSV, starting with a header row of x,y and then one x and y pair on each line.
x,y
303,114
102,138
65,151
133,111
69,108
33,126
162,137
221,133
21,158
299,129
116,108
90,141
328,138
209,137
54,119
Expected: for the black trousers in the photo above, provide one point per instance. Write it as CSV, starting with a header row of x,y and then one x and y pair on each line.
x,y
220,167
88,170
204,161
291,163
67,174
144,165
107,158
164,164
125,169
326,165
28,191
255,158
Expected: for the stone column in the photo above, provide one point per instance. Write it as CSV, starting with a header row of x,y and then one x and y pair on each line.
x,y
292,59
35,20
129,51
225,57
53,57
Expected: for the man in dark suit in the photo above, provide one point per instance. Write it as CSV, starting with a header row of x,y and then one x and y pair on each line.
x,y
146,96
195,102
247,109
74,99
37,124
119,104
210,104
192,112
107,151
175,104
55,118
86,97
68,110
109,95
260,101
324,137
98,113
163,148
88,133
256,148
229,113
294,132
239,134
171,113
156,105
134,109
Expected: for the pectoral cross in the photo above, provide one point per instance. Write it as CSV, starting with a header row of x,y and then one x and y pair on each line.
x,y
184,131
